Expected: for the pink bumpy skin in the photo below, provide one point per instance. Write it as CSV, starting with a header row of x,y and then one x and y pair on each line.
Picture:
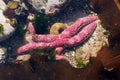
x,y
60,57
64,42
67,33
31,28
75,40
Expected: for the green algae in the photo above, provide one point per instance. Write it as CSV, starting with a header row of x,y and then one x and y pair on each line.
x,y
40,23
1,29
81,63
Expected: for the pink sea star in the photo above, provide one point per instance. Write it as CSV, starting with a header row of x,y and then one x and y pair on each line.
x,y
72,36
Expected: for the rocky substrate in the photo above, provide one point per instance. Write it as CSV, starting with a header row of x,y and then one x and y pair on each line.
x,y
81,54
6,30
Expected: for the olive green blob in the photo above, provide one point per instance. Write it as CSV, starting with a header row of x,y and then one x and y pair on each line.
x,y
41,24
81,63
1,29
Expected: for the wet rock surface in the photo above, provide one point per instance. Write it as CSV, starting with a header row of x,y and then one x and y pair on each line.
x,y
7,28
38,68
7,31
89,48
49,6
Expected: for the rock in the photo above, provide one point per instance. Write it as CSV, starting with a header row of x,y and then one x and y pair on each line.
x,y
89,48
25,57
49,6
7,28
2,5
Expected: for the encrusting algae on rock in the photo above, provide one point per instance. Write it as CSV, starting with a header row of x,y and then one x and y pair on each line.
x,y
6,29
1,29
90,48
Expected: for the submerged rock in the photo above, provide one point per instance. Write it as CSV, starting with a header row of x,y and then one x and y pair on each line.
x,y
49,6
79,57
2,5
6,29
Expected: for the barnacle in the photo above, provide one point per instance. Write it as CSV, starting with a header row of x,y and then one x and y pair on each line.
x,y
57,28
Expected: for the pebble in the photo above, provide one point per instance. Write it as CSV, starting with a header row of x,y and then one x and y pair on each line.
x,y
2,54
25,57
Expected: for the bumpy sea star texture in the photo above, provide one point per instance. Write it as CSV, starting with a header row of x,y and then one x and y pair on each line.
x,y
72,36
66,42
67,33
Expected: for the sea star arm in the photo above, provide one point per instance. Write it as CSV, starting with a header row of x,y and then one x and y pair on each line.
x,y
67,33
40,38
59,50
77,39
76,27
65,42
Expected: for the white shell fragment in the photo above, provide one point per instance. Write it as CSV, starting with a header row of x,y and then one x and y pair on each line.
x,y
2,54
25,57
